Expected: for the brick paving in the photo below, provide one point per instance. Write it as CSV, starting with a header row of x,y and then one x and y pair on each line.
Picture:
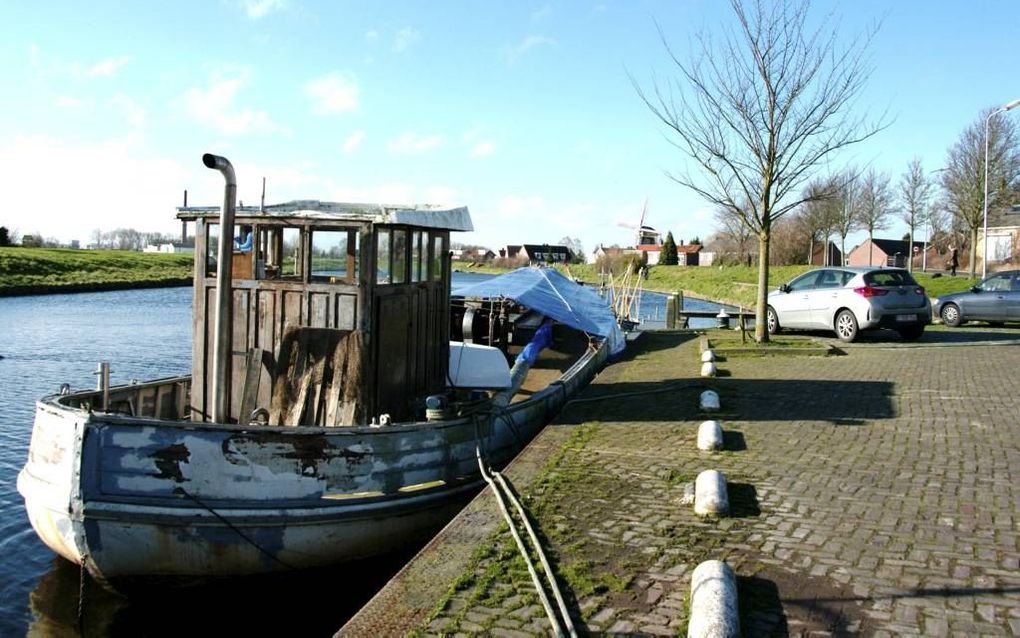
x,y
875,493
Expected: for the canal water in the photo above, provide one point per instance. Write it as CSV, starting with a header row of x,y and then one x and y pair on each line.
x,y
48,340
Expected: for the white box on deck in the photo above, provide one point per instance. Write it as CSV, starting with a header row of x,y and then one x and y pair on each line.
x,y
476,366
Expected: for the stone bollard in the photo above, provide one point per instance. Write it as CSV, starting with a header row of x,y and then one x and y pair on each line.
x,y
710,497
708,369
709,401
713,602
707,355
710,436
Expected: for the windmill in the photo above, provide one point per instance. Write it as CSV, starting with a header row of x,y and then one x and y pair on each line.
x,y
645,237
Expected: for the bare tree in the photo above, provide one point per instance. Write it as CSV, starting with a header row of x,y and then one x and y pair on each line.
x,y
734,233
818,215
914,199
761,109
846,210
964,178
876,204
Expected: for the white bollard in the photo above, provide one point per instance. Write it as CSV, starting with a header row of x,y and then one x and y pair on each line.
x,y
710,436
708,369
707,355
710,497
713,602
709,401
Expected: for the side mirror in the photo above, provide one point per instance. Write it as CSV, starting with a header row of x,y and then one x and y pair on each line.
x,y
975,289
784,288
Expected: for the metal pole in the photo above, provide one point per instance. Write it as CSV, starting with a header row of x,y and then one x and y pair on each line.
x,y
984,249
224,291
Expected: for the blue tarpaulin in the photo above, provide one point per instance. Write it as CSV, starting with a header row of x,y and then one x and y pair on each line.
x,y
549,293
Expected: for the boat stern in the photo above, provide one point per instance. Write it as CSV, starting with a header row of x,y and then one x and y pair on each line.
x,y
49,480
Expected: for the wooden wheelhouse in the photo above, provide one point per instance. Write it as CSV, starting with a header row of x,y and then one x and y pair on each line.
x,y
340,313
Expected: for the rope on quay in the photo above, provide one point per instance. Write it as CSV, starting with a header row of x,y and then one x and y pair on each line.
x,y
501,489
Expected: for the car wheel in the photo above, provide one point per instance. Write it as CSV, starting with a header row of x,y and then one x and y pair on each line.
x,y
912,333
995,324
951,315
772,321
846,326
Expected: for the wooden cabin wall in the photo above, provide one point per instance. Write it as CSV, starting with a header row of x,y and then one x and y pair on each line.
x,y
263,312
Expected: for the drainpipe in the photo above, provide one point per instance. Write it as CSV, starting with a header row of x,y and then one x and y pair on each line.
x,y
222,336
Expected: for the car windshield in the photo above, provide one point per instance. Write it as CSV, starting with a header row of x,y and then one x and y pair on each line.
x,y
889,278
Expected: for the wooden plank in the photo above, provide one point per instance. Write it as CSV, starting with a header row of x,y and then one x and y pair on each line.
x,y
252,381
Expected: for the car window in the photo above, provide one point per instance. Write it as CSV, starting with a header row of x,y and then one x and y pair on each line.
x,y
998,283
806,281
829,279
889,278
845,277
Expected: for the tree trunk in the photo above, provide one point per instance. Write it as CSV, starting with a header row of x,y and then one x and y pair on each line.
x,y
910,250
761,332
973,252
871,247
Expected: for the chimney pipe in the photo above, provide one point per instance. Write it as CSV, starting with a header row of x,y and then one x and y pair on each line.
x,y
222,336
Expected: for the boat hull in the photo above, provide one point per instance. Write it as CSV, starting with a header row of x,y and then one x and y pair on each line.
x,y
131,496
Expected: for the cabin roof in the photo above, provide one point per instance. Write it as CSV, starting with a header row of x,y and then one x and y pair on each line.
x,y
313,210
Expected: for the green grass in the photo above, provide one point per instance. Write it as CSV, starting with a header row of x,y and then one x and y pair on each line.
x,y
28,268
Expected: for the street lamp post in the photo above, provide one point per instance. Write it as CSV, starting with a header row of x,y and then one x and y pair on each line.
x,y
984,248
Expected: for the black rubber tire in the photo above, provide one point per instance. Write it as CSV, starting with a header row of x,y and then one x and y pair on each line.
x,y
911,333
772,321
846,326
951,316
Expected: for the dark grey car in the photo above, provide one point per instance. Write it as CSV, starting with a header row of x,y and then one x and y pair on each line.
x,y
995,300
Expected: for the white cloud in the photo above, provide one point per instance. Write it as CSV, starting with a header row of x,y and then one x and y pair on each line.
x,y
405,38
541,13
68,102
517,207
372,35
353,141
257,9
107,67
483,149
333,93
527,44
411,144
215,107
116,183
134,112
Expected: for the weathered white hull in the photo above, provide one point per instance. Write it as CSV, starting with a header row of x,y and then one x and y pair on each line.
x,y
134,496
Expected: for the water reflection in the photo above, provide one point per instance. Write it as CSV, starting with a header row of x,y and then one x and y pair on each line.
x,y
307,603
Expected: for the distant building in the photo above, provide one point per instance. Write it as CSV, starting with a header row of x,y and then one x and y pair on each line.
x,y
1003,235
168,248
688,255
472,254
822,257
882,252
537,253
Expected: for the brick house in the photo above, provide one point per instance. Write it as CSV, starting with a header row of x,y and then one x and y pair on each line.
x,y
1003,236
884,252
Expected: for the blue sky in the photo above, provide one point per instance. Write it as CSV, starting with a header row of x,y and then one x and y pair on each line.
x,y
522,111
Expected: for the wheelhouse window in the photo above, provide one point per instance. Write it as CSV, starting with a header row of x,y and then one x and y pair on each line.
x,y
436,257
382,256
418,256
334,255
212,247
399,256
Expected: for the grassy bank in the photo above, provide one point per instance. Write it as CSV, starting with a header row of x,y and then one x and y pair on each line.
x,y
45,270
738,285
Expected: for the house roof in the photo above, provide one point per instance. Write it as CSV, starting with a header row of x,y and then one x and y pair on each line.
x,y
689,248
1004,217
893,246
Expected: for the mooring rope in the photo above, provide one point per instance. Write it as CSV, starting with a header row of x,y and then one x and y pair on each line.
x,y
236,529
502,492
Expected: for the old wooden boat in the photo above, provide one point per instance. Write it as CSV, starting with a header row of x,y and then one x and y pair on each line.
x,y
323,420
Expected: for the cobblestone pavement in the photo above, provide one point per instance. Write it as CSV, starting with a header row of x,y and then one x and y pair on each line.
x,y
875,493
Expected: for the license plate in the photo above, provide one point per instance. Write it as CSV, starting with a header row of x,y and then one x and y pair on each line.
x,y
906,317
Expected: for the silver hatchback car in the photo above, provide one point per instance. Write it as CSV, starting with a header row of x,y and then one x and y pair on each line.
x,y
849,299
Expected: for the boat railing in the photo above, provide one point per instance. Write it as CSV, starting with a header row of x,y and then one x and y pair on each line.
x,y
166,398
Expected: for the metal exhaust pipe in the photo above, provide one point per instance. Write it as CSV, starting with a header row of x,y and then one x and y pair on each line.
x,y
223,330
